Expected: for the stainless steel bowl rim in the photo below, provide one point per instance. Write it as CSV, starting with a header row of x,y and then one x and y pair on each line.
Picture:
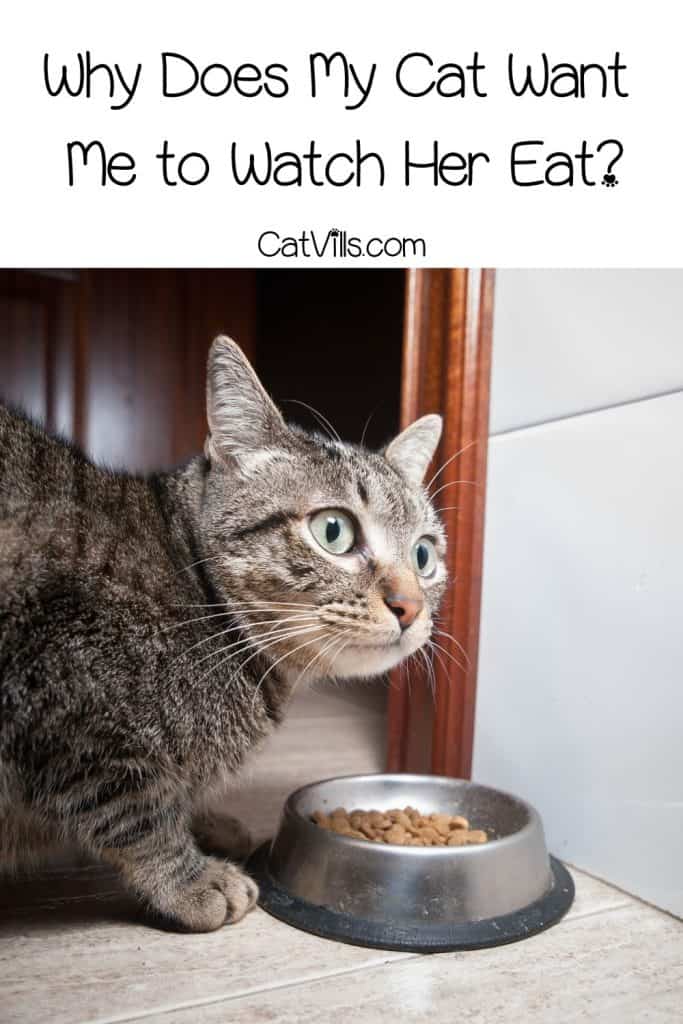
x,y
411,851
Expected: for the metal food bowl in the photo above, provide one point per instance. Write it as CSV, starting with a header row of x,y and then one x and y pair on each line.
x,y
422,899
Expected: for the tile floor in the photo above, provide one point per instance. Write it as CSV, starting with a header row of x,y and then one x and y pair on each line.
x,y
72,950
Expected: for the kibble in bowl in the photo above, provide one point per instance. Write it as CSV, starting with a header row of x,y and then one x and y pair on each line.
x,y
401,827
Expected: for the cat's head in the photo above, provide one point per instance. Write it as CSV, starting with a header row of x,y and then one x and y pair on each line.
x,y
331,554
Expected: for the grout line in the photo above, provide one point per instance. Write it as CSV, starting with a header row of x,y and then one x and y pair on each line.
x,y
598,910
247,993
585,412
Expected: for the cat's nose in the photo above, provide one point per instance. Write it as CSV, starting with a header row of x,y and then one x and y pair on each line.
x,y
406,609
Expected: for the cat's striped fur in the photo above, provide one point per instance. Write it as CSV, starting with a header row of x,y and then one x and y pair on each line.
x,y
152,629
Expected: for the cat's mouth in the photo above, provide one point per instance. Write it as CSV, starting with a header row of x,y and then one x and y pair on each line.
x,y
406,641
378,645
376,655
358,660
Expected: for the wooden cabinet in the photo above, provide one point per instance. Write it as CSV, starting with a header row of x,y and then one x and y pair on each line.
x,y
39,339
115,359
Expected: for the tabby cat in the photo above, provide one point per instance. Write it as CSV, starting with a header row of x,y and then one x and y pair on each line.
x,y
153,629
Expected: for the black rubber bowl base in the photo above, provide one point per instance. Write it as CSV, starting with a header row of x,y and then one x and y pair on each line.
x,y
331,924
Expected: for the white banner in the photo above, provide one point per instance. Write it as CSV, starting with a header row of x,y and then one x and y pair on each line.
x,y
317,134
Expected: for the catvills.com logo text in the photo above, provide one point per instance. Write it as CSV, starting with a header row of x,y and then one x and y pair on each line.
x,y
338,244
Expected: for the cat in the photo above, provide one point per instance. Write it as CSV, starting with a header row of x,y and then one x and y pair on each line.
x,y
153,629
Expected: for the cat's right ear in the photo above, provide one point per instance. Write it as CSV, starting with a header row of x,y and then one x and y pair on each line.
x,y
411,452
243,420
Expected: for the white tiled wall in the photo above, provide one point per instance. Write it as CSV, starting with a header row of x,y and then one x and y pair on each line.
x,y
567,341
580,697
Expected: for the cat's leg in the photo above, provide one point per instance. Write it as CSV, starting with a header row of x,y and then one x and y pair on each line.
x,y
219,833
24,841
158,857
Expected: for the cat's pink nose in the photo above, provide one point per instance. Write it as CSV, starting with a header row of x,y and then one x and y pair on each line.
x,y
406,609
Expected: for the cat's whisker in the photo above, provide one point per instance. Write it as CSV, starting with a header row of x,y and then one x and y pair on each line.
x,y
448,508
245,626
319,654
442,632
234,629
413,664
235,612
452,483
264,602
233,606
322,420
287,654
448,462
344,644
407,664
340,651
200,561
404,666
272,638
260,647
271,635
188,622
430,673
433,643
314,658
431,661
365,428
418,664
440,660
259,651
336,637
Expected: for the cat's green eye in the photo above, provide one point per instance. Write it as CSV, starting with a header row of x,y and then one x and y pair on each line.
x,y
333,530
424,557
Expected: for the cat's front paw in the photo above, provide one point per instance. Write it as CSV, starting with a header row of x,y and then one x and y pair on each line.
x,y
223,894
221,834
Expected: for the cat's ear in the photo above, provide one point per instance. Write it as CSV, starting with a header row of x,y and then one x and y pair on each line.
x,y
243,420
411,452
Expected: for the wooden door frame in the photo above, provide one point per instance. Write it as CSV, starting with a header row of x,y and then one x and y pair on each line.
x,y
446,369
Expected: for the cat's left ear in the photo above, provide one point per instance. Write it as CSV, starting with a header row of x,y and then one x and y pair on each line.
x,y
243,419
411,452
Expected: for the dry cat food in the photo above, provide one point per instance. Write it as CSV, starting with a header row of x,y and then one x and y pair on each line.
x,y
406,827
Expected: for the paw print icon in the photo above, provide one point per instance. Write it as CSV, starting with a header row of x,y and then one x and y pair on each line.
x,y
610,180
334,232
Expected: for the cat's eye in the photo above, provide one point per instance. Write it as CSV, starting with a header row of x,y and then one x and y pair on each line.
x,y
424,557
333,530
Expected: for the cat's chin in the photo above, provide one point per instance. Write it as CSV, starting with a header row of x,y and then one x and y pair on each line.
x,y
363,662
